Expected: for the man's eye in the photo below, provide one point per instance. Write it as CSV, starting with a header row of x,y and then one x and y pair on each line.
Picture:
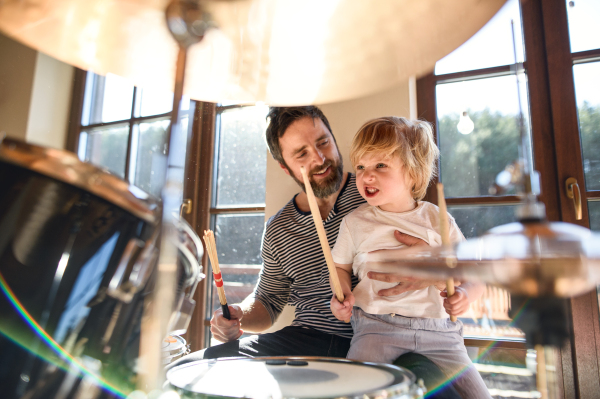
x,y
381,165
301,155
324,142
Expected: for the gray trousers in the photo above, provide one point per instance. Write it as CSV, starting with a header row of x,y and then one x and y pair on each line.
x,y
383,338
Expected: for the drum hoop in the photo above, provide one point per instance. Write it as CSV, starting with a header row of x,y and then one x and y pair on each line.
x,y
66,167
395,388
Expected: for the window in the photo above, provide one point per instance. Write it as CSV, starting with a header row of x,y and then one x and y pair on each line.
x,y
476,85
238,201
558,58
124,129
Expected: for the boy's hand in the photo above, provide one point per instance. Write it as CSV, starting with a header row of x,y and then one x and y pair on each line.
x,y
458,303
342,311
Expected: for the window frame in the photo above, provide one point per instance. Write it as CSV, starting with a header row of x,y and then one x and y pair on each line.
x,y
554,124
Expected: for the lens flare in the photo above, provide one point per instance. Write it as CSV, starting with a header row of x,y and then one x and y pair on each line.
x,y
47,339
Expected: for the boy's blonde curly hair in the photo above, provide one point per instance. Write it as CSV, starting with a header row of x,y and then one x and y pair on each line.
x,y
411,140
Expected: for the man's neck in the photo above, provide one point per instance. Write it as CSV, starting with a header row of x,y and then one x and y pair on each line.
x,y
325,204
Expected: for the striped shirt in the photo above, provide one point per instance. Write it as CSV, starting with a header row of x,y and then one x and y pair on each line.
x,y
294,269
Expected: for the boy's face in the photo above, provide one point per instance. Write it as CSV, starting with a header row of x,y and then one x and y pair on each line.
x,y
307,142
383,182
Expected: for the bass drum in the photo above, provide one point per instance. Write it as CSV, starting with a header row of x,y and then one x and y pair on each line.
x,y
292,377
77,256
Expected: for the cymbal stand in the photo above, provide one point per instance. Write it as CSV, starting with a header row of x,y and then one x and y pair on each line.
x,y
188,23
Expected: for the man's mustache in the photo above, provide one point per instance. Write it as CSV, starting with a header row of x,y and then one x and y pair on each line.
x,y
320,168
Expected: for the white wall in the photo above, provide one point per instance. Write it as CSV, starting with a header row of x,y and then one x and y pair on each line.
x,y
345,119
35,95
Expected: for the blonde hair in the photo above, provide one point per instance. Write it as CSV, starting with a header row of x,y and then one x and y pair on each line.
x,y
410,140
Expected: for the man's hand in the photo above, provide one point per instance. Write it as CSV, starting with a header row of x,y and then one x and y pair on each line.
x,y
227,330
405,283
342,311
458,303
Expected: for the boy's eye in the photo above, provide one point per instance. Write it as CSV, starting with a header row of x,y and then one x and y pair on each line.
x,y
381,165
360,167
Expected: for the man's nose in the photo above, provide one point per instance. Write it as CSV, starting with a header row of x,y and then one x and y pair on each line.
x,y
318,157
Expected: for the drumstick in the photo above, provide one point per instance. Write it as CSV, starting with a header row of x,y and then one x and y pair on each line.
x,y
314,209
445,233
211,248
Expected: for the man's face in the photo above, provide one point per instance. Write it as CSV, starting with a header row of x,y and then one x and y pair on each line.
x,y
307,142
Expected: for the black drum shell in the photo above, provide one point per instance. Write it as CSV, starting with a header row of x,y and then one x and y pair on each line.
x,y
45,225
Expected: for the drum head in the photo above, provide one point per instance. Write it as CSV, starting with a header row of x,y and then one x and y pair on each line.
x,y
286,377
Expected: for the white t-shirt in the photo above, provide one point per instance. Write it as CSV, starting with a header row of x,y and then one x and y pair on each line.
x,y
368,229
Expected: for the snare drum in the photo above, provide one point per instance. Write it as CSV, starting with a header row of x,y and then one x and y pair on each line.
x,y
292,377
174,347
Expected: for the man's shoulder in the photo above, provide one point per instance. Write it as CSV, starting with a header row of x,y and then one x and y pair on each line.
x,y
283,215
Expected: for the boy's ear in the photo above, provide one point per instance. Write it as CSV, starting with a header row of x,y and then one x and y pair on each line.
x,y
285,169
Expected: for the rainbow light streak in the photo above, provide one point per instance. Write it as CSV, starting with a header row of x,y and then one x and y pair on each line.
x,y
486,349
50,342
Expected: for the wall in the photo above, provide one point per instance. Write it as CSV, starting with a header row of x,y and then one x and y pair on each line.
x,y
35,95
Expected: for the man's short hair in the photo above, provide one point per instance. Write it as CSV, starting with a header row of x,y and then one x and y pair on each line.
x,y
411,140
280,118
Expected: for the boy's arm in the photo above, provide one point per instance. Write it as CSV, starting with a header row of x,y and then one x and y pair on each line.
x,y
463,296
343,310
344,273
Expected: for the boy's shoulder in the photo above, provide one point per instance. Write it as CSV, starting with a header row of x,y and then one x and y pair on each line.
x,y
363,210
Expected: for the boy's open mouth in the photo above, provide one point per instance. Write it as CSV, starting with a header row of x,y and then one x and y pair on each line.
x,y
371,192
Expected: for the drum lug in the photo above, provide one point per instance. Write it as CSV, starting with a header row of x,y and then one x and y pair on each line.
x,y
129,274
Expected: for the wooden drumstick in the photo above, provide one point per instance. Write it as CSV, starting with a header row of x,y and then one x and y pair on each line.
x,y
445,233
314,210
211,248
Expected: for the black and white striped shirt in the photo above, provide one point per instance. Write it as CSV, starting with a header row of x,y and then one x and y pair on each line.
x,y
294,268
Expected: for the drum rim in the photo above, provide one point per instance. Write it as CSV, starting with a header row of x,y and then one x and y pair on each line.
x,y
66,167
396,388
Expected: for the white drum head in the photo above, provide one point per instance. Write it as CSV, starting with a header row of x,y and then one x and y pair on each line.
x,y
279,377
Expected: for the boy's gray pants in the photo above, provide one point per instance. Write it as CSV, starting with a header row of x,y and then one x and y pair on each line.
x,y
383,338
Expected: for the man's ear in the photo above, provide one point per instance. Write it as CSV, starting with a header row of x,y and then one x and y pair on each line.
x,y
285,169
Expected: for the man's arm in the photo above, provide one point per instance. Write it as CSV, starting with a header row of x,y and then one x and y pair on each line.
x,y
405,283
250,315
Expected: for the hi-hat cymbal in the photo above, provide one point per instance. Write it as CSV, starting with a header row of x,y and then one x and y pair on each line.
x,y
532,259
279,52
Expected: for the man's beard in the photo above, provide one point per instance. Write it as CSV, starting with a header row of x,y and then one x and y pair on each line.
x,y
328,186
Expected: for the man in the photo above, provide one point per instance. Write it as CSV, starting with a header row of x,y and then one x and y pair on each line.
x,y
294,270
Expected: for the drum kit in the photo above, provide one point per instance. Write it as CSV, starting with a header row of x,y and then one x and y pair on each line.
x,y
95,274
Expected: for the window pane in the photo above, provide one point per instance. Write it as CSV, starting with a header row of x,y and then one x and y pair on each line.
x,y
242,157
155,102
488,316
470,162
107,99
473,221
584,31
587,90
594,213
150,160
107,148
491,46
511,373
238,239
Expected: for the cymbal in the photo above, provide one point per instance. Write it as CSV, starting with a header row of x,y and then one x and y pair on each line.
x,y
532,259
278,52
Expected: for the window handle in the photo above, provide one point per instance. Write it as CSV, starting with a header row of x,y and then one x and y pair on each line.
x,y
186,208
574,193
